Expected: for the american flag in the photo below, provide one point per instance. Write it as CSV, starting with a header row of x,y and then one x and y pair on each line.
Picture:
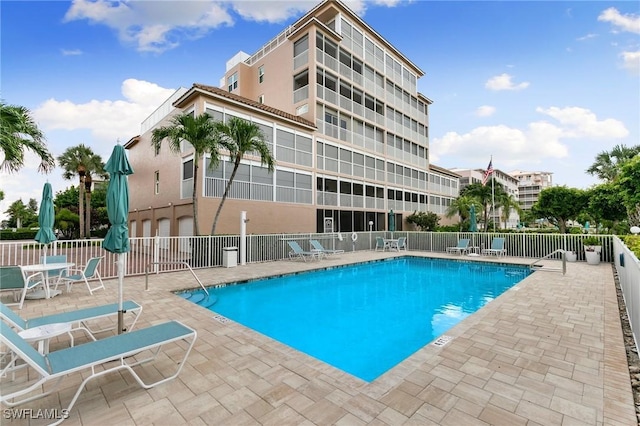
x,y
487,173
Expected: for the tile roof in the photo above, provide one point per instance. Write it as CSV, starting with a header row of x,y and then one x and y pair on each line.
x,y
217,92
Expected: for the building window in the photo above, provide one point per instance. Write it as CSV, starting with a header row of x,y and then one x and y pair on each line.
x,y
261,74
301,46
156,150
232,82
157,182
261,99
187,170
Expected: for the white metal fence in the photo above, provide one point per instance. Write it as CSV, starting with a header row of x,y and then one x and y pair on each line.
x,y
207,251
628,268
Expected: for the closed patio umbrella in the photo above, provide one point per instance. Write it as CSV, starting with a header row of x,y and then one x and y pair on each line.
x,y
46,218
117,238
392,221
473,222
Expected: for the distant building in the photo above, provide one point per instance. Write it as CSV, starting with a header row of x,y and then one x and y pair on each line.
x,y
342,116
509,183
530,184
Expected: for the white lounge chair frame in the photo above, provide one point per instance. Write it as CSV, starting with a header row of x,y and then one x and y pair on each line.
x,y
497,248
119,350
326,252
461,248
13,278
75,275
80,318
298,253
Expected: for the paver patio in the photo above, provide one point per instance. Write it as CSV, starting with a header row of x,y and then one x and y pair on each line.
x,y
549,351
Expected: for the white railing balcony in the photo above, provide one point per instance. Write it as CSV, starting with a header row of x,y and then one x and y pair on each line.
x,y
301,60
301,94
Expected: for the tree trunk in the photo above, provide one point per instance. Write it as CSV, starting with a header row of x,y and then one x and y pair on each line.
x,y
88,214
236,164
194,196
81,206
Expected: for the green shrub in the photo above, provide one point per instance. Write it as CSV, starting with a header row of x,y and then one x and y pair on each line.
x,y
19,234
591,241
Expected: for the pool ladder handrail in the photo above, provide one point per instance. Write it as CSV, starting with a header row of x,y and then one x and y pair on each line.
x,y
146,273
534,266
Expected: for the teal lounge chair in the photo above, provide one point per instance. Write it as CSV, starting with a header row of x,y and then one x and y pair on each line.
x,y
318,247
78,318
297,252
461,248
497,248
94,359
83,274
14,279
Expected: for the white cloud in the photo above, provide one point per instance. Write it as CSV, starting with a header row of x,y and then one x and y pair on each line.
x,y
107,120
503,82
71,52
631,61
539,142
157,26
587,37
153,26
485,111
579,122
628,22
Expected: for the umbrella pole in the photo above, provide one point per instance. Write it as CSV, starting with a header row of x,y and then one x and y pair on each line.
x,y
120,263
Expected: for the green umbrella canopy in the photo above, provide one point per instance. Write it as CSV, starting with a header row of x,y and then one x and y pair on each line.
x,y
117,238
473,222
46,217
392,221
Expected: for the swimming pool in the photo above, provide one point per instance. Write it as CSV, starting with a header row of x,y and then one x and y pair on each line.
x,y
366,318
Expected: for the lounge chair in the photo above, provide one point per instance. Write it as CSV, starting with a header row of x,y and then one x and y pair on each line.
x,y
297,252
400,244
83,274
94,359
382,244
497,248
320,249
78,318
461,248
13,278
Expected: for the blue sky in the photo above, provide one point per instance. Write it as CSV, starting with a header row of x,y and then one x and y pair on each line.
x,y
543,85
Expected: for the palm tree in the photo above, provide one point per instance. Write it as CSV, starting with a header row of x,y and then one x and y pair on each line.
x,y
485,197
81,161
608,164
19,132
461,207
200,133
241,137
508,204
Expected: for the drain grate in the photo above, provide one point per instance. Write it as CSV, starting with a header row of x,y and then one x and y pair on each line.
x,y
442,340
221,319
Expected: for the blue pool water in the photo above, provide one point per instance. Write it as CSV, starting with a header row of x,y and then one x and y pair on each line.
x,y
366,318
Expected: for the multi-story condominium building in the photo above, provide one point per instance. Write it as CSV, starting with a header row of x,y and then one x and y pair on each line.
x,y
508,182
342,116
529,186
